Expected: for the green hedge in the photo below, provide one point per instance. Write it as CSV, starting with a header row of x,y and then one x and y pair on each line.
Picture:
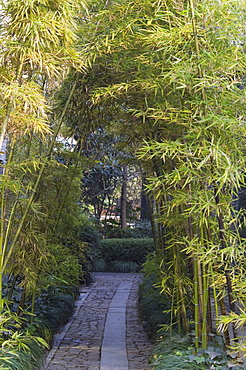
x,y
139,229
127,250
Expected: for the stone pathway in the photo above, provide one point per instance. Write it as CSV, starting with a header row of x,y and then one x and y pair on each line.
x,y
105,333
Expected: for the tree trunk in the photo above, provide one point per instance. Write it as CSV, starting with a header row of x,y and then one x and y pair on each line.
x,y
123,199
145,204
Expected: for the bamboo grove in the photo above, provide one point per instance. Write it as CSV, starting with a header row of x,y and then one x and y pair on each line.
x,y
167,77
202,172
174,73
37,49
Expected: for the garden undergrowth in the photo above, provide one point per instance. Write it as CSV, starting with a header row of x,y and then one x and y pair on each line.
x,y
178,352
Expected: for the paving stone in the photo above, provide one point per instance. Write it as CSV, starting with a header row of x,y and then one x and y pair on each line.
x,y
82,342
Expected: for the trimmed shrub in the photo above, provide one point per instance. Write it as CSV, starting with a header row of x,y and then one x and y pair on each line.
x,y
128,250
123,233
140,229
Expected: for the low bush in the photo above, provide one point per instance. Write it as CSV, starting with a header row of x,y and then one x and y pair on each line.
x,y
54,304
53,308
23,339
84,255
23,334
89,239
115,266
117,233
128,250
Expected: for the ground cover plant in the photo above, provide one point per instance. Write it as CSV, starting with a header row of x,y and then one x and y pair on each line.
x,y
54,308
20,349
177,352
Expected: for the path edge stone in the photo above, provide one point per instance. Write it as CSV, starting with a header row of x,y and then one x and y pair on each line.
x,y
59,336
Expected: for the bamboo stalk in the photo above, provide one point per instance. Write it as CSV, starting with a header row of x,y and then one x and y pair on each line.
x,y
22,301
171,315
29,145
33,305
215,296
5,123
224,313
181,292
197,47
2,220
209,312
1,247
68,189
205,308
223,245
11,290
196,300
202,289
200,286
